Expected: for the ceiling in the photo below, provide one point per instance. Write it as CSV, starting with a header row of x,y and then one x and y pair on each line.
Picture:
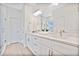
x,y
41,6
18,6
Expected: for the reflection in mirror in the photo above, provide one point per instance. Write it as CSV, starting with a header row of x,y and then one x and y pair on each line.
x,y
47,24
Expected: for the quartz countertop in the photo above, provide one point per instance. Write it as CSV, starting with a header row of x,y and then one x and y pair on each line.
x,y
66,38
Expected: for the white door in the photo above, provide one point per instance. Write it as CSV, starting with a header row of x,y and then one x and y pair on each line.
x,y
13,26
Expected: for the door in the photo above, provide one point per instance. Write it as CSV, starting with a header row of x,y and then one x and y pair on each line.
x,y
13,26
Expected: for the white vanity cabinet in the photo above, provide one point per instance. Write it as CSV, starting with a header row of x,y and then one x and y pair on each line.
x,y
65,49
42,41
43,46
37,48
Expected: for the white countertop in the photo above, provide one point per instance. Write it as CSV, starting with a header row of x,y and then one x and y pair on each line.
x,y
66,39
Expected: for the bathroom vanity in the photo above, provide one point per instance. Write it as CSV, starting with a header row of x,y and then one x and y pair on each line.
x,y
45,44
55,32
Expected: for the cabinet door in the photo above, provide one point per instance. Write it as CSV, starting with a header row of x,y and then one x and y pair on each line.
x,y
43,45
38,48
43,41
65,49
33,46
44,51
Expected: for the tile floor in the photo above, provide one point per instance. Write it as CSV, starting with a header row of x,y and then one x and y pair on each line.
x,y
17,49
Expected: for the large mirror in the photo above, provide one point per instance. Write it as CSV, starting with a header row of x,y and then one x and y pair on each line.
x,y
62,17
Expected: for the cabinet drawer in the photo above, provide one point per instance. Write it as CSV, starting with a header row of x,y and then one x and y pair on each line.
x,y
42,41
65,49
44,51
37,48
40,49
